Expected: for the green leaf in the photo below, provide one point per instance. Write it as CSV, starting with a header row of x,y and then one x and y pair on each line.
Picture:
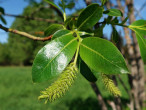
x,y
61,33
139,26
2,10
85,34
89,16
3,20
142,45
50,2
52,59
86,71
115,35
68,20
140,29
96,74
113,12
53,28
102,56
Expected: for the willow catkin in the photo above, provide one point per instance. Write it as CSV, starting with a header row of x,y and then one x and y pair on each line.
x,y
61,85
109,84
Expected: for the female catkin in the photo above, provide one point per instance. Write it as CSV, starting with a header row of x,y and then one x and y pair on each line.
x,y
61,85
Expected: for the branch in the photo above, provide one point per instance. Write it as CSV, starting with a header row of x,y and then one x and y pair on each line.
x,y
30,18
99,96
25,34
138,13
88,2
112,104
143,6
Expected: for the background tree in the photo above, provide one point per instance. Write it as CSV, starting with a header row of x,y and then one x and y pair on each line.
x,y
136,78
22,50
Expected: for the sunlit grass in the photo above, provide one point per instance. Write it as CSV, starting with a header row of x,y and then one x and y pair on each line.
x,y
17,92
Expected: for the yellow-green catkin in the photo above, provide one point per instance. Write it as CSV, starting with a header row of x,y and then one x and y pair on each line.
x,y
109,84
61,85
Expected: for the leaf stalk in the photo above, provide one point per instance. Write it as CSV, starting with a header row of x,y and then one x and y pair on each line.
x,y
78,47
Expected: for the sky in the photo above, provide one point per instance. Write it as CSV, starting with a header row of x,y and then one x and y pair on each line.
x,y
11,7
17,6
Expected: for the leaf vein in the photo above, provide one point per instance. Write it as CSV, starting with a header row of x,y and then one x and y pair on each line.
x,y
99,55
87,19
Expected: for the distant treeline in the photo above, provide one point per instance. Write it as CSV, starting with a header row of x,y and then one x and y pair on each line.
x,y
20,50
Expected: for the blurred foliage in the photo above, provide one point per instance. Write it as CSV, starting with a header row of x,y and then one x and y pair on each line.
x,y
17,92
20,50
4,54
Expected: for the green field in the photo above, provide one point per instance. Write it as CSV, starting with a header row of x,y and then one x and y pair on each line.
x,y
17,92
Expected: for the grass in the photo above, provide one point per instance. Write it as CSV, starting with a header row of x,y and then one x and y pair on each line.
x,y
17,92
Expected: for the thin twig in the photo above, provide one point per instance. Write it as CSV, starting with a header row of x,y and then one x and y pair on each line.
x,y
113,24
30,18
138,13
25,34
142,7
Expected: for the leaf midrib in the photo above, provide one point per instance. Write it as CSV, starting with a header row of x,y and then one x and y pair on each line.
x,y
135,26
138,28
58,53
99,55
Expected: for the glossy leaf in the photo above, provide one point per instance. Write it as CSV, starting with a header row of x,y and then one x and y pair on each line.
x,y
50,2
113,12
61,33
140,29
139,26
52,59
142,45
86,71
89,16
2,10
102,56
3,20
52,29
115,35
